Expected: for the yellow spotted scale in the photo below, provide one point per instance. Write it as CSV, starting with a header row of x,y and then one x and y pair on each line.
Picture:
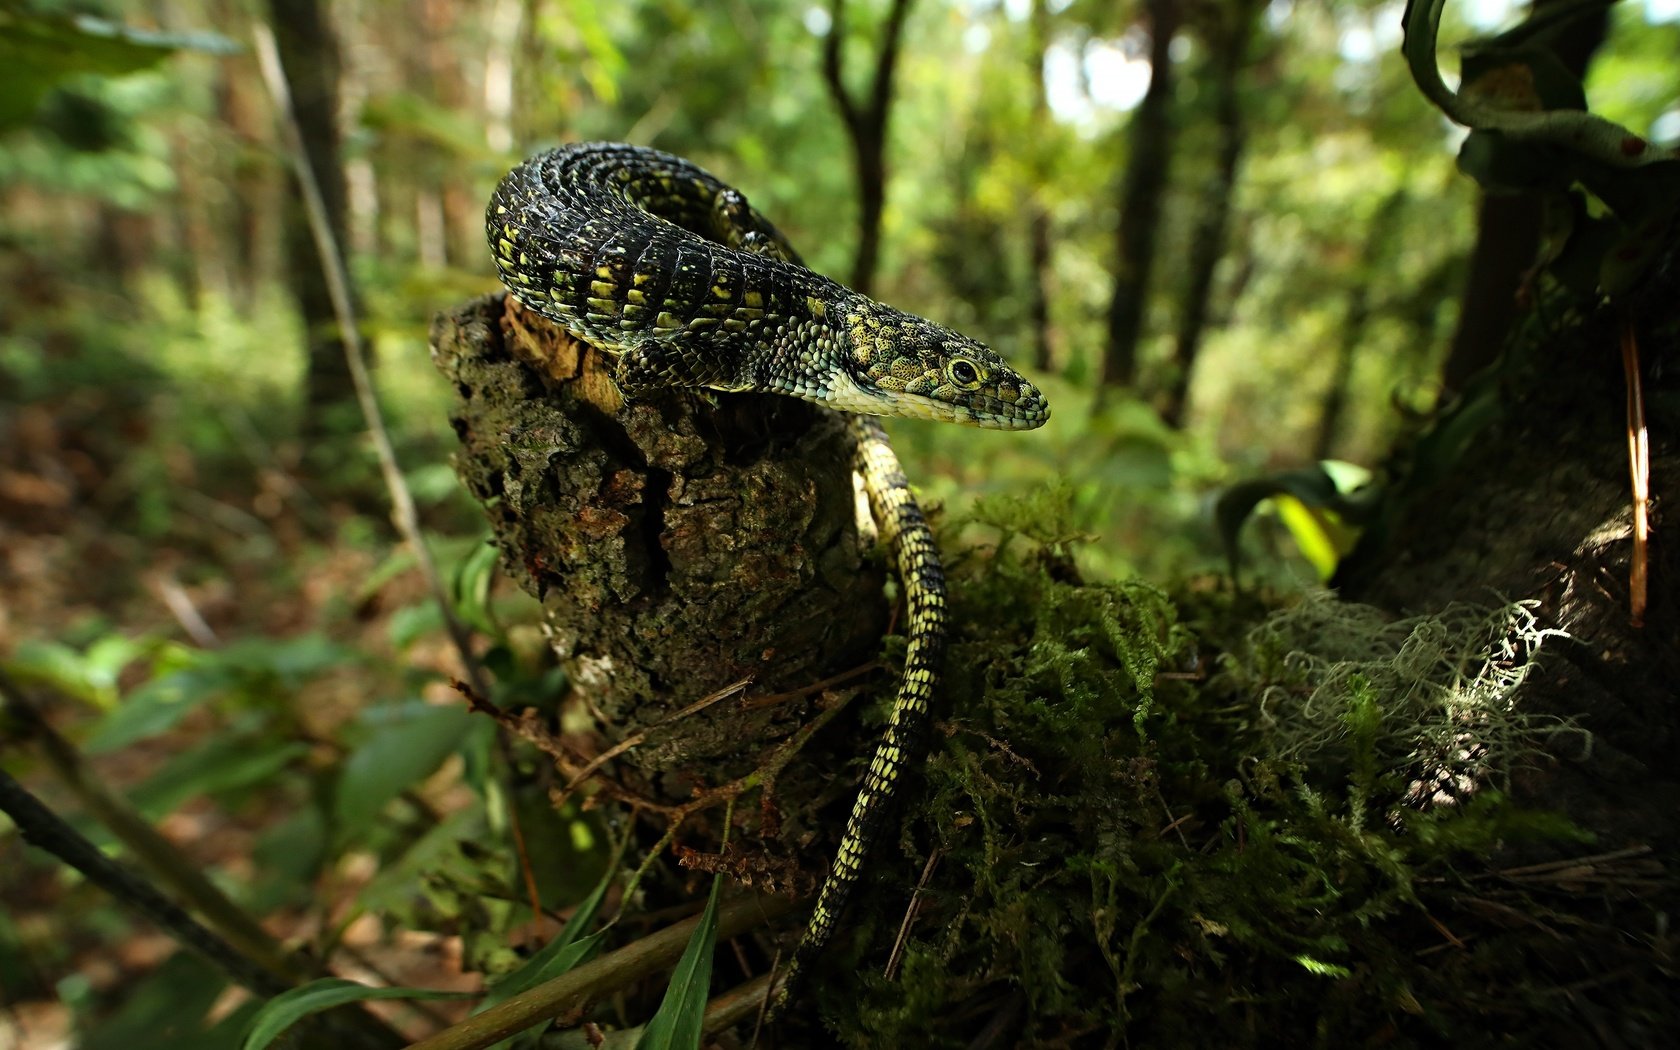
x,y
648,258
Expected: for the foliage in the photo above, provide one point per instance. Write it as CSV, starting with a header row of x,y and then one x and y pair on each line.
x,y
288,1008
676,1024
1435,695
1147,807
1319,506
41,48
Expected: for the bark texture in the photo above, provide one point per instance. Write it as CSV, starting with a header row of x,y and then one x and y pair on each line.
x,y
676,546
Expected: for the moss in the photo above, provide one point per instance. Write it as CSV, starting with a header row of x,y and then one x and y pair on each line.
x,y
1133,850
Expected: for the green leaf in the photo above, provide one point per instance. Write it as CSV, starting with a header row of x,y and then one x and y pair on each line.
x,y
227,762
437,854
164,1010
288,857
412,622
408,742
292,660
434,482
1320,538
678,1023
105,659
187,678
288,1008
471,585
38,50
557,956
1322,968
1319,491
89,675
399,561
159,704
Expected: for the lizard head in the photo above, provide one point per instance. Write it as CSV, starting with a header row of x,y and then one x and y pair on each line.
x,y
898,364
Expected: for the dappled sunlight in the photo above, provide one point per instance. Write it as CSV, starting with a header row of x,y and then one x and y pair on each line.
x,y
1281,688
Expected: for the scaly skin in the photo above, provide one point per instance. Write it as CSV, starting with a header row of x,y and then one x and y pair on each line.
x,y
647,257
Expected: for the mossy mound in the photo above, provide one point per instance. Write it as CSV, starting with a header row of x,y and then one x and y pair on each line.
x,y
1198,821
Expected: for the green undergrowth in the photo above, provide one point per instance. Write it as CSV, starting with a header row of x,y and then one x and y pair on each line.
x,y
1196,820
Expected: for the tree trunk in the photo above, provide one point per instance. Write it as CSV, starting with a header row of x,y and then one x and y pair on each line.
x,y
1229,40
251,240
866,126
1150,139
1508,233
677,547
309,54
871,164
1038,214
1355,318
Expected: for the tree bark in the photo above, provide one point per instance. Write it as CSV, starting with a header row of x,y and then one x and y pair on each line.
x,y
866,126
1229,37
1150,137
677,547
309,55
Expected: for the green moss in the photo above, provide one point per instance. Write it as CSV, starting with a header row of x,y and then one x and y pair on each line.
x,y
1147,841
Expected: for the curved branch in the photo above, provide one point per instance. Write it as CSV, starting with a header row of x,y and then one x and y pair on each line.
x,y
45,830
1592,137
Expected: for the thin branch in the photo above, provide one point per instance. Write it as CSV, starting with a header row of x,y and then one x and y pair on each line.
x,y
403,513
896,957
640,736
772,699
230,929
44,829
180,605
160,856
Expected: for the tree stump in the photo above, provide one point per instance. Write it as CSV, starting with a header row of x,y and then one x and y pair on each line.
x,y
677,544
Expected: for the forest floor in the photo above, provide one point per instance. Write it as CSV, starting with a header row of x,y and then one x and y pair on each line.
x,y
229,559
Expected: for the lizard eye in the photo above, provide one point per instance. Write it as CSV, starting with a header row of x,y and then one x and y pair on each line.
x,y
963,373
